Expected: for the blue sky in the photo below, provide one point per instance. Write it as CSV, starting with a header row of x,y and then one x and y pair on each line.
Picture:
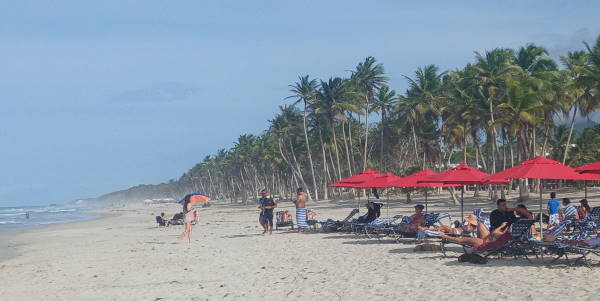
x,y
97,96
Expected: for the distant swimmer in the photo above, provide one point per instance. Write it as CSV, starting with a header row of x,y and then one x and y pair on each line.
x,y
27,214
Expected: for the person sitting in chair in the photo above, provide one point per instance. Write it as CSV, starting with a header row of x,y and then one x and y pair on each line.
x,y
415,221
374,210
165,219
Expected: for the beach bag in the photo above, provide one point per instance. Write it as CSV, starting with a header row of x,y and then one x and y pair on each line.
x,y
427,247
472,258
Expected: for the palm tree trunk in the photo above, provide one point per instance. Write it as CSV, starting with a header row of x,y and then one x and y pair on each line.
x,y
464,143
326,174
299,170
346,147
381,161
337,153
351,146
569,137
412,126
312,168
335,172
366,132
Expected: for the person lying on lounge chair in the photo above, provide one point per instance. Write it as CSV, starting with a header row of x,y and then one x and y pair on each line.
x,y
468,225
592,242
496,238
415,221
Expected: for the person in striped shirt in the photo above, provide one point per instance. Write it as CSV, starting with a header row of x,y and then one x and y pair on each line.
x,y
568,210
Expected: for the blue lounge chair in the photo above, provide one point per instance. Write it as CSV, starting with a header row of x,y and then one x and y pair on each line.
x,y
279,223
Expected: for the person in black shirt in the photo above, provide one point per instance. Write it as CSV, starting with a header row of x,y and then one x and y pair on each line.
x,y
266,211
501,215
373,212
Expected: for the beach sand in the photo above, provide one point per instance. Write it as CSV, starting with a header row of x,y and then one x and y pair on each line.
x,y
126,257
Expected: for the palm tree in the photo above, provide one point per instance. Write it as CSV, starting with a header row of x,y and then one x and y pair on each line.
x,y
368,77
421,106
328,104
284,125
580,97
590,72
384,102
534,59
305,91
493,68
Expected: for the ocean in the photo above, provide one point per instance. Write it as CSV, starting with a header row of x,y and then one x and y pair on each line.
x,y
33,216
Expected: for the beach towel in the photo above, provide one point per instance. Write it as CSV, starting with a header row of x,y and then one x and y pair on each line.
x,y
301,217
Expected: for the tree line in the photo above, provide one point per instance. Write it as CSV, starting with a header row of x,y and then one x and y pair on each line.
x,y
503,107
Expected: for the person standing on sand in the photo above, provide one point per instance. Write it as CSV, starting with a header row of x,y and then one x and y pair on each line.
x,y
267,204
189,216
301,209
553,210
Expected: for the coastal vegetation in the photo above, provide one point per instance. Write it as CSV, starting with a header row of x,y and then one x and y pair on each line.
x,y
503,107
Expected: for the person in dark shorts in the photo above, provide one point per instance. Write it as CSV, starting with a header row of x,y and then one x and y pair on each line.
x,y
267,204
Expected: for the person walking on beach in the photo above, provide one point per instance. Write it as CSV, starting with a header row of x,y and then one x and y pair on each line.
x,y
189,216
301,209
267,204
553,210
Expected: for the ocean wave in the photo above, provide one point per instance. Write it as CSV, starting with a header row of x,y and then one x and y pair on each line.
x,y
12,210
12,214
7,222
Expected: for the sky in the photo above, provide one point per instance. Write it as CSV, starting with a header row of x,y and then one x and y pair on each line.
x,y
98,96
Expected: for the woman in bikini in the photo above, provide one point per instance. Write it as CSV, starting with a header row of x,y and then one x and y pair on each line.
x,y
189,216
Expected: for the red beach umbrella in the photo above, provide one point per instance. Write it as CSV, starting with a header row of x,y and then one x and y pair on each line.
x,y
461,174
354,180
411,181
589,168
365,175
383,181
541,168
538,168
591,171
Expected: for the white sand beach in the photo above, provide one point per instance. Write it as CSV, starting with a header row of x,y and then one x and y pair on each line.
x,y
124,256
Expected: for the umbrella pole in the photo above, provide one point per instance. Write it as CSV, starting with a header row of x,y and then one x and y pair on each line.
x,y
585,188
462,208
387,203
425,200
541,208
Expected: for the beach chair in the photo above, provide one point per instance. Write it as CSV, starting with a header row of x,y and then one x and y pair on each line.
x,y
562,249
358,226
380,227
310,220
582,251
594,215
518,245
280,222
481,215
431,219
330,225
